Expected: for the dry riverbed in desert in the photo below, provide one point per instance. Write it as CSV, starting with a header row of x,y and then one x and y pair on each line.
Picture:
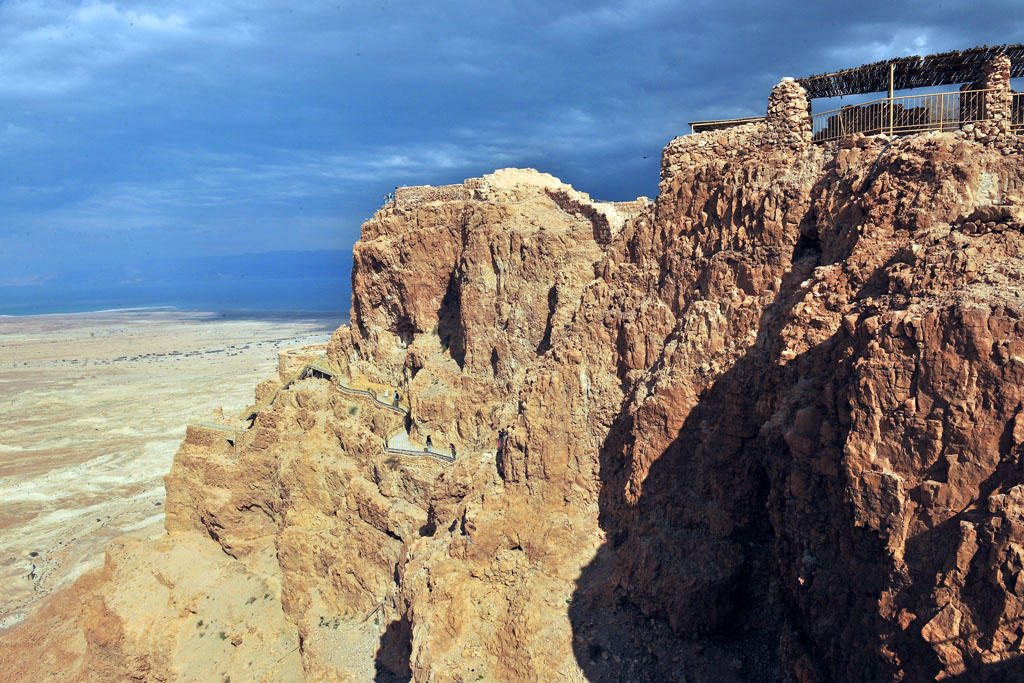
x,y
92,409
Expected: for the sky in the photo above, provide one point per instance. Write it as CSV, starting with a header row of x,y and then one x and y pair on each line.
x,y
143,134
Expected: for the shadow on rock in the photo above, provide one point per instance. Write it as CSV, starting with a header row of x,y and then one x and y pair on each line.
x,y
696,581
1006,671
684,589
392,662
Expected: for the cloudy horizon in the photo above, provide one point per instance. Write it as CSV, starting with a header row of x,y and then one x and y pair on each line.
x,y
136,131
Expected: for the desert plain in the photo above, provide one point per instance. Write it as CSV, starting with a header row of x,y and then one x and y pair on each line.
x,y
92,409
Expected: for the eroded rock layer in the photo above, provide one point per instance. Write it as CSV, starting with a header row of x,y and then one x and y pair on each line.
x,y
766,427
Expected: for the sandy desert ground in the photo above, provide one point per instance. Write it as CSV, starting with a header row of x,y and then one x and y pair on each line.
x,y
92,409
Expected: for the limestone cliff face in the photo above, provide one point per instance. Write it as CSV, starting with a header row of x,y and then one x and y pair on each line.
x,y
767,427
465,295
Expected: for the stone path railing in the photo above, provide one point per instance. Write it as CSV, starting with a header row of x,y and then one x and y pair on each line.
x,y
431,454
232,431
213,425
329,374
373,397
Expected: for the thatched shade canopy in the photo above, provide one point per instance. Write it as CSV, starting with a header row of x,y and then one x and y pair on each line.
x,y
946,68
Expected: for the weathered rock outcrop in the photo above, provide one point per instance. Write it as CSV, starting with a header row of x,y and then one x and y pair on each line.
x,y
767,427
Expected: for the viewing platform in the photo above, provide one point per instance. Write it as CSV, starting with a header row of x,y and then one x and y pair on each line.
x,y
983,107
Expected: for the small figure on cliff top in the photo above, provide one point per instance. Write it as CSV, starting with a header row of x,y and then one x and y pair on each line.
x,y
396,399
429,444
452,447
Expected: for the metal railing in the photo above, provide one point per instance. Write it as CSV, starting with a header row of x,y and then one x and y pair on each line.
x,y
213,425
1017,112
332,375
305,372
429,454
372,396
229,433
322,369
901,115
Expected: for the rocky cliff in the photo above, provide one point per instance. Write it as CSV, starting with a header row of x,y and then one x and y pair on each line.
x,y
766,427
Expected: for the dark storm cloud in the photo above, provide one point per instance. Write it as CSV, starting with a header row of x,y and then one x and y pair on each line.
x,y
144,128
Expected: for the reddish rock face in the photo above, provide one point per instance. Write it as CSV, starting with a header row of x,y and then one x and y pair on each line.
x,y
768,427
831,422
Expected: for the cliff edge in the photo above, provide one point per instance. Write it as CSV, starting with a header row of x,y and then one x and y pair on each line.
x,y
767,426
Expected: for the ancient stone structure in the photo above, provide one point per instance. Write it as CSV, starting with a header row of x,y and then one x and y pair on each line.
x,y
998,95
787,125
985,109
406,197
987,103
690,151
788,121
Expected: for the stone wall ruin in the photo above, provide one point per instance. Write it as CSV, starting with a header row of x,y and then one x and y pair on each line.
x,y
406,197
